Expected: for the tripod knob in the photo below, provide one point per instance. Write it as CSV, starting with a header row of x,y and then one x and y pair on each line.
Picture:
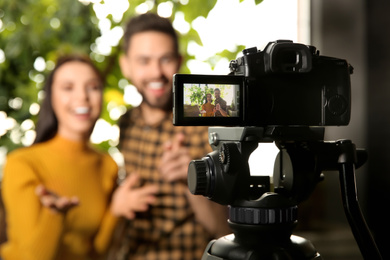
x,y
271,208
261,216
225,157
197,177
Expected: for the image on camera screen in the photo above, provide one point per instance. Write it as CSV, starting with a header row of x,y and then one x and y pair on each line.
x,y
211,100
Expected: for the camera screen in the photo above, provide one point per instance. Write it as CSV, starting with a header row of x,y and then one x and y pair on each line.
x,y
211,100
207,100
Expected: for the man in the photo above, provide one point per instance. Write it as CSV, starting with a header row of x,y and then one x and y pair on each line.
x,y
165,220
220,104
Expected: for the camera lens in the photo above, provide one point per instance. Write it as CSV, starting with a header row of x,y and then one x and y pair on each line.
x,y
197,177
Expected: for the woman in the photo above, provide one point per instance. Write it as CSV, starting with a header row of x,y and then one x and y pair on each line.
x,y
57,191
208,108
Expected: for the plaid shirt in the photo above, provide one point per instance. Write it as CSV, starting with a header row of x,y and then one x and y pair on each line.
x,y
223,105
168,230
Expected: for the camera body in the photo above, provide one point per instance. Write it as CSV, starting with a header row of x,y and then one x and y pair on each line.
x,y
281,94
286,84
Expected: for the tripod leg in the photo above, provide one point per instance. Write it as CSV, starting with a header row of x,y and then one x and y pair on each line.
x,y
359,227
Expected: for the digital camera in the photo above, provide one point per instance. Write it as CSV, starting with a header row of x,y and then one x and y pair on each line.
x,y
286,84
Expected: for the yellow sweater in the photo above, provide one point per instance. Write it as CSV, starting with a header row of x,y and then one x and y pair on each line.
x,y
69,169
209,108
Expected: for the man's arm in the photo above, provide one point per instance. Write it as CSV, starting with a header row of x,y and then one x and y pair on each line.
x,y
211,215
223,112
222,107
174,167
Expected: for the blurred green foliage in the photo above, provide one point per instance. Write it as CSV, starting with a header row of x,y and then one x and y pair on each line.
x,y
34,33
197,94
48,29
29,31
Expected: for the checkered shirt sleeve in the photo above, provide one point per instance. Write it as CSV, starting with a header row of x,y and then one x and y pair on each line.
x,y
168,230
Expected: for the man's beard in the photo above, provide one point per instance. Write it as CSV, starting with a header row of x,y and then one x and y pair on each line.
x,y
165,106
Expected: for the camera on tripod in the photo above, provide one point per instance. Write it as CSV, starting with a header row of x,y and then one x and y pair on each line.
x,y
285,94
286,84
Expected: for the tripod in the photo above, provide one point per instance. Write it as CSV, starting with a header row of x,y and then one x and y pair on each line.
x,y
263,217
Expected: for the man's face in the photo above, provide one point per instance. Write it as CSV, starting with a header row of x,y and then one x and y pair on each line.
x,y
149,64
217,94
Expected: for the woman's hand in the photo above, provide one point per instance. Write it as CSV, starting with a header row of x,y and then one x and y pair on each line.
x,y
54,202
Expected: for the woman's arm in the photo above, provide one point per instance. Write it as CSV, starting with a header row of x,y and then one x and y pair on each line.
x,y
33,231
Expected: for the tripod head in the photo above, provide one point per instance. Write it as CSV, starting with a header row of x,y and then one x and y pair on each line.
x,y
224,175
262,214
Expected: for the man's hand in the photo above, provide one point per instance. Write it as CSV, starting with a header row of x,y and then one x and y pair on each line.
x,y
129,198
175,159
219,108
54,202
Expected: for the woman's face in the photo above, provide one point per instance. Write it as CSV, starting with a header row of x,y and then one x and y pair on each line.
x,y
208,97
76,99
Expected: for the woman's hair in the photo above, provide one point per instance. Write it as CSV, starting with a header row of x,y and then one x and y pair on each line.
x,y
47,124
205,98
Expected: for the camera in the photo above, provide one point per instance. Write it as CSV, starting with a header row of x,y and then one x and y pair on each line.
x,y
286,84
285,94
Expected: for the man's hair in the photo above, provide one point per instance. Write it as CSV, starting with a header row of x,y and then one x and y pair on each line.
x,y
149,22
